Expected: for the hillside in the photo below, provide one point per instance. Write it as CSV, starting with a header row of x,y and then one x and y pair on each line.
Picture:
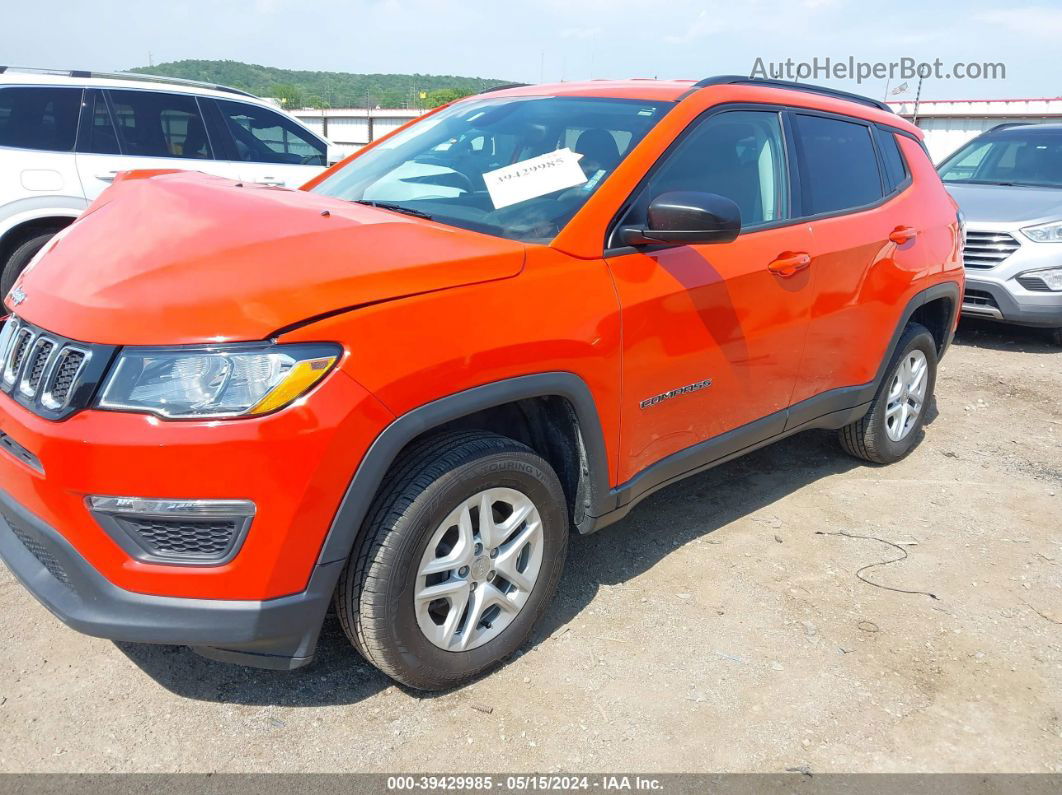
x,y
327,89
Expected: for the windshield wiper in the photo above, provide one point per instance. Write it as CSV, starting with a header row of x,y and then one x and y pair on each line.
x,y
398,208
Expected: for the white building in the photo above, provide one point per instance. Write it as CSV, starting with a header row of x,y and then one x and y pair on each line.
x,y
949,123
351,128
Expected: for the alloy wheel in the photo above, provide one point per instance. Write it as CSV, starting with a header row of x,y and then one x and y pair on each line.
x,y
907,395
478,570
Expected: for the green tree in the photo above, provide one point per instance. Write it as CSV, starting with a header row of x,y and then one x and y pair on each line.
x,y
337,89
441,96
290,96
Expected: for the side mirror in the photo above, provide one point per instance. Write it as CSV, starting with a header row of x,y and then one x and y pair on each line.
x,y
687,217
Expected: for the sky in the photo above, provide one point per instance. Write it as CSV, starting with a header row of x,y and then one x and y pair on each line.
x,y
550,40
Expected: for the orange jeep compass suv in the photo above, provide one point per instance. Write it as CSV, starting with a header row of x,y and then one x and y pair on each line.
x,y
225,406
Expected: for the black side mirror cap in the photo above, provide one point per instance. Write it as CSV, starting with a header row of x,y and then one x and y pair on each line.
x,y
685,217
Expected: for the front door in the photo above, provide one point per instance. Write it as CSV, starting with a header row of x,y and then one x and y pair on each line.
x,y
713,334
268,147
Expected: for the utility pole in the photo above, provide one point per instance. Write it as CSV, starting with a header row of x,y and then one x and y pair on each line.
x,y
918,96
368,116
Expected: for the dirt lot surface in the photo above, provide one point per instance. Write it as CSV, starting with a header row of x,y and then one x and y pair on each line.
x,y
721,627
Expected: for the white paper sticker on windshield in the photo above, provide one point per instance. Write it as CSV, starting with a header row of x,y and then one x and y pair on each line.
x,y
534,177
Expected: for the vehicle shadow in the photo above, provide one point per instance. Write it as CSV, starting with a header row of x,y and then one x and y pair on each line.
x,y
338,675
985,334
690,509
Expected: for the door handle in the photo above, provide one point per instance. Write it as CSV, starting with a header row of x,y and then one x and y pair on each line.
x,y
790,264
902,234
107,176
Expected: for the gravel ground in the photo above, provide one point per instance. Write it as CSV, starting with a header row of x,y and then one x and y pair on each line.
x,y
721,627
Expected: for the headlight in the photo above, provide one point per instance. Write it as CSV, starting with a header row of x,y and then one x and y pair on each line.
x,y
1045,233
214,382
1052,277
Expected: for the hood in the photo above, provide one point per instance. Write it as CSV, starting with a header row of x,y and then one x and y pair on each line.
x,y
184,258
1005,204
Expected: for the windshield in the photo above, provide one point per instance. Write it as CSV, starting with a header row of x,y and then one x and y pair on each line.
x,y
1020,156
518,168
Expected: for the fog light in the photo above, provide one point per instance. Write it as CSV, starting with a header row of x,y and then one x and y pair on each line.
x,y
1051,277
189,532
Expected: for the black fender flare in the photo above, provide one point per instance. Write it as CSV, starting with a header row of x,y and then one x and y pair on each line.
x,y
347,522
947,289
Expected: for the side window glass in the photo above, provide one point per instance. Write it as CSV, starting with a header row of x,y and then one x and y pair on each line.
x,y
895,166
838,169
41,118
736,154
97,132
262,136
155,124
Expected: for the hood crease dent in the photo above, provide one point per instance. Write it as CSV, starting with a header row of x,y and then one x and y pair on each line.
x,y
185,258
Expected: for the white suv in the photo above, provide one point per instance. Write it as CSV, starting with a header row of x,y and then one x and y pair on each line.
x,y
65,135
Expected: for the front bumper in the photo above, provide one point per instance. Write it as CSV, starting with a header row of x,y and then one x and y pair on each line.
x,y
265,606
1005,300
294,466
276,633
993,289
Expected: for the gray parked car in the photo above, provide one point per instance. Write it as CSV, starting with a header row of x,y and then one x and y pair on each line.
x,y
1008,183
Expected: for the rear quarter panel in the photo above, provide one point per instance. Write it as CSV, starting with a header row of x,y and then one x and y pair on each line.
x,y
857,309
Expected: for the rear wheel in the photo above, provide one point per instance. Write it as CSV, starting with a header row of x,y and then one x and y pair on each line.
x,y
1056,336
460,556
892,426
20,258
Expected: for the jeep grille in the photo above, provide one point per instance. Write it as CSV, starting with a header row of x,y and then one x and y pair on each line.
x,y
50,375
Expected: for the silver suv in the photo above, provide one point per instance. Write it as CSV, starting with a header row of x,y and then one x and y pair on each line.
x,y
1008,183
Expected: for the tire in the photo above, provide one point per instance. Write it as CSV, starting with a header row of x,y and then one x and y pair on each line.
x,y
20,258
426,488
1056,337
869,438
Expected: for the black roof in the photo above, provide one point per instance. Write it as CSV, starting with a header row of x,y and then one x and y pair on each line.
x,y
725,80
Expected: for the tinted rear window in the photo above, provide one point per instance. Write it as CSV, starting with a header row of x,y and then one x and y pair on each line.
x,y
156,124
892,157
39,118
838,168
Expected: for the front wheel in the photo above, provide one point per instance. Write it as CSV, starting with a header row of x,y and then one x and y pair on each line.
x,y
892,426
19,259
459,558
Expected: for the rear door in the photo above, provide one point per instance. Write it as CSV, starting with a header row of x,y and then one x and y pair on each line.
x,y
855,190
712,336
38,127
268,147
123,130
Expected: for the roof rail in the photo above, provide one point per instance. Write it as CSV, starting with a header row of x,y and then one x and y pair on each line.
x,y
1008,124
82,73
726,80
504,86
